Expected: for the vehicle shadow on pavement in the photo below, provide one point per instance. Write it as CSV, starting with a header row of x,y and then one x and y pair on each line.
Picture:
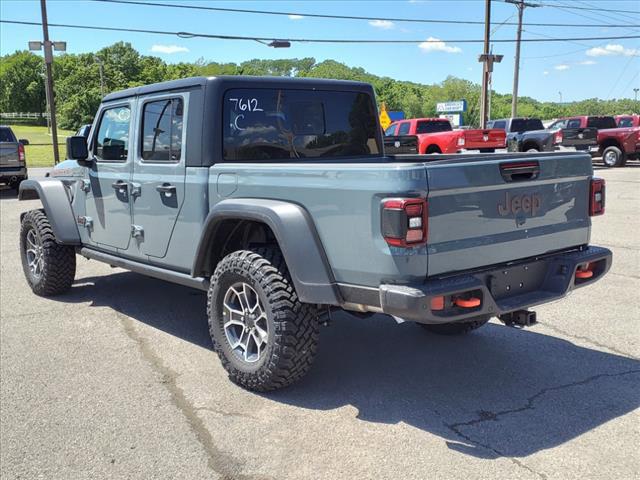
x,y
8,192
497,392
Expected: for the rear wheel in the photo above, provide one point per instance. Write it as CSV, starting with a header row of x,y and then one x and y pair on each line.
x,y
265,337
531,149
455,328
613,157
49,267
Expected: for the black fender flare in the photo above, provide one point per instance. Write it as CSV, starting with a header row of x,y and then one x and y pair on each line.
x,y
297,238
54,198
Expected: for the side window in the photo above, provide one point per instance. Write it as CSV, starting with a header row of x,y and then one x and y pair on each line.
x,y
575,123
162,130
391,130
499,124
404,128
112,140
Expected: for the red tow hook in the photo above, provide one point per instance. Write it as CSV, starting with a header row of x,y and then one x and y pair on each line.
x,y
472,302
584,273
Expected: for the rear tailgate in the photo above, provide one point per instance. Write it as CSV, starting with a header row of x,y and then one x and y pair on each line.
x,y
481,214
395,145
480,139
9,156
579,137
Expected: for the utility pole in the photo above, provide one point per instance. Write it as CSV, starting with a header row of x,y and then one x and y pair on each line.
x,y
521,4
487,60
560,94
48,60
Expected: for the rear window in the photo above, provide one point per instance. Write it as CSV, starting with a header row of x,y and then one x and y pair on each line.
x,y
499,124
274,124
432,126
526,124
625,122
601,122
6,135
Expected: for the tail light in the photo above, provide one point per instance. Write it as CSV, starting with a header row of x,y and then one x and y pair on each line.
x,y
404,222
21,152
557,137
596,197
461,141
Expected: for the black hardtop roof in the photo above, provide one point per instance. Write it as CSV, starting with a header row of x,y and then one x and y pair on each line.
x,y
238,81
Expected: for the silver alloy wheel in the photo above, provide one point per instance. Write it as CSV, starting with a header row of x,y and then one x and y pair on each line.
x,y
245,322
610,158
34,253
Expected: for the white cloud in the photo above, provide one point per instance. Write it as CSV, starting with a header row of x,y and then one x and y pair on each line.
x,y
296,17
383,24
612,49
562,66
546,72
436,45
168,49
587,62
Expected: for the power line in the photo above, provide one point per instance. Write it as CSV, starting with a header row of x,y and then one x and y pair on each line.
x,y
567,8
313,40
593,9
341,17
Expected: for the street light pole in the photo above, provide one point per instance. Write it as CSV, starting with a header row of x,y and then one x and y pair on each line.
x,y
48,60
520,4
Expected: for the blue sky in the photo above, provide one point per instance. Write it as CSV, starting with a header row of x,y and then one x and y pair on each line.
x,y
604,69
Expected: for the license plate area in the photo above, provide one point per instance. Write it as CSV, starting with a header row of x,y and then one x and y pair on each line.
x,y
516,280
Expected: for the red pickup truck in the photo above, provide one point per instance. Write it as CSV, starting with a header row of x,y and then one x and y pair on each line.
x,y
435,135
616,143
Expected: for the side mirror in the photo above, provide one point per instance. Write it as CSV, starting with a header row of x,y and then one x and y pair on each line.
x,y
23,141
77,148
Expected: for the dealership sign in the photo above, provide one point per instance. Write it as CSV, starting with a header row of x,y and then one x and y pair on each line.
x,y
450,107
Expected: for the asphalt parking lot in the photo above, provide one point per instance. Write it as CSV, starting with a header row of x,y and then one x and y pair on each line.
x,y
117,379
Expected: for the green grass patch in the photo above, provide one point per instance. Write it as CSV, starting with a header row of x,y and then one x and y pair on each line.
x,y
39,152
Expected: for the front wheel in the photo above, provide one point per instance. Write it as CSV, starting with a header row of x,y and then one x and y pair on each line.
x,y
49,267
613,157
265,337
455,328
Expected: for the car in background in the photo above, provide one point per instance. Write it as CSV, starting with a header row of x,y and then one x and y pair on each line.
x,y
13,167
436,135
616,144
530,135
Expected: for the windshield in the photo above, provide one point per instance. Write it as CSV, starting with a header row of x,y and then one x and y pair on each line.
x,y
601,122
625,122
432,126
526,124
274,124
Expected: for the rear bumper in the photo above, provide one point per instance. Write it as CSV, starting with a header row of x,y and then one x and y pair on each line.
x,y
7,173
502,289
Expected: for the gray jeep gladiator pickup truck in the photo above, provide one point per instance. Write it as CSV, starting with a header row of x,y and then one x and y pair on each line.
x,y
275,196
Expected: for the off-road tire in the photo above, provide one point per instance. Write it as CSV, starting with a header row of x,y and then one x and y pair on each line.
x,y
613,157
455,328
58,261
293,325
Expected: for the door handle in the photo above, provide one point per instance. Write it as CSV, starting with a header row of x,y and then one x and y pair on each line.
x,y
167,189
120,185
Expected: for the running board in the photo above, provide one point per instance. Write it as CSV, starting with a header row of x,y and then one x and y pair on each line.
x,y
200,283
